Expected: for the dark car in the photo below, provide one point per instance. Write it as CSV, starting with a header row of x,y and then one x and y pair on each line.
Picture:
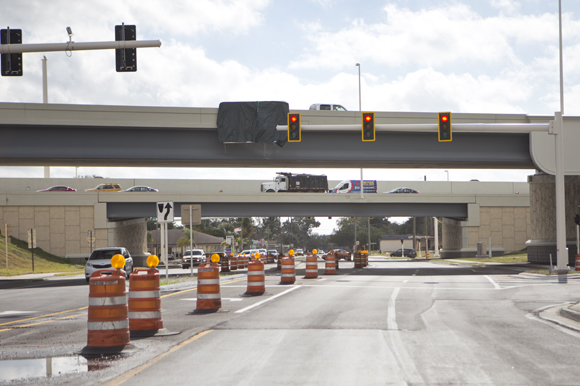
x,y
140,189
403,190
409,252
58,188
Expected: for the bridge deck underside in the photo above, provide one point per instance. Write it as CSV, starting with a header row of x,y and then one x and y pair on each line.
x,y
117,211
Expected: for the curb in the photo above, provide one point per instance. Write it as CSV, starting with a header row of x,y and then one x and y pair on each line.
x,y
569,313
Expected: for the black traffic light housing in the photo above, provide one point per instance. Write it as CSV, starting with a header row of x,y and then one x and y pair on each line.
x,y
368,127
11,63
445,127
294,127
126,58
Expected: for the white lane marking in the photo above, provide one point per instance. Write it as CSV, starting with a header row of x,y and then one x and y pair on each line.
x,y
9,313
229,299
267,300
391,312
495,284
404,281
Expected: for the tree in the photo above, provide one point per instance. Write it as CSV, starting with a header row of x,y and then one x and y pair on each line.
x,y
184,240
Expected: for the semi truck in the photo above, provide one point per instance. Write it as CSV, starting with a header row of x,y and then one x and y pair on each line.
x,y
288,182
353,186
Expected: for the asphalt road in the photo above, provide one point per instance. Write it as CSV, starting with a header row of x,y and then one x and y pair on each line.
x,y
392,323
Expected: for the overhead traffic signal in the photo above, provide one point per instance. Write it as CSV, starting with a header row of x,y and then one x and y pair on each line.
x,y
11,63
126,58
368,127
444,127
294,127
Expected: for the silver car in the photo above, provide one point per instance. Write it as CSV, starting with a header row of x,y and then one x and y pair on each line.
x,y
101,259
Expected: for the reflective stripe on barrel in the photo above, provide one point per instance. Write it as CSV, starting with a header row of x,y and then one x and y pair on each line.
x,y
208,287
256,278
108,323
288,271
145,300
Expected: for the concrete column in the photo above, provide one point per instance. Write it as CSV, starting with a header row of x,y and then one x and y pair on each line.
x,y
452,238
131,234
543,217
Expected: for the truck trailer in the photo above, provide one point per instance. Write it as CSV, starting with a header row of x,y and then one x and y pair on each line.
x,y
353,186
288,182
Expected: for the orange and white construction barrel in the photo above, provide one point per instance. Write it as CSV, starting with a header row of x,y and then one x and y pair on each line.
x,y
330,266
311,266
145,298
256,277
288,269
108,321
208,287
578,262
234,263
225,263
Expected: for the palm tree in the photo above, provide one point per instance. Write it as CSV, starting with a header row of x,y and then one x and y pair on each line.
x,y
184,239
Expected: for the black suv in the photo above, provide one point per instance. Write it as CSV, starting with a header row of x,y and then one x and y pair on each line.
x,y
409,252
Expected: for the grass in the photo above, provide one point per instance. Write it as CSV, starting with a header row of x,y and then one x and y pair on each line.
x,y
20,260
517,258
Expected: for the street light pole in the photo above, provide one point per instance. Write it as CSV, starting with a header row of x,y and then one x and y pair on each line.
x,y
359,92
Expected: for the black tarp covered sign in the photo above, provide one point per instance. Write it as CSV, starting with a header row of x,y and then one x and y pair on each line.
x,y
241,122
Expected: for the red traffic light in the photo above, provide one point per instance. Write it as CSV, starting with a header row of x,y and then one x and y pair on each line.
x,y
444,118
368,127
293,118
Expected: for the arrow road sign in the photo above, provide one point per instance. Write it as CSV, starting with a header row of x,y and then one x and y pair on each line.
x,y
165,212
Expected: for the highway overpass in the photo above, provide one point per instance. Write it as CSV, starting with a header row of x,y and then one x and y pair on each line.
x,y
473,211
95,135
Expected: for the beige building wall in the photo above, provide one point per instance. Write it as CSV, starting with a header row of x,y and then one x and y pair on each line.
x,y
509,228
60,230
63,230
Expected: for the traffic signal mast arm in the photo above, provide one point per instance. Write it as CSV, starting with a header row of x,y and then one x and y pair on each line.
x,y
77,46
434,127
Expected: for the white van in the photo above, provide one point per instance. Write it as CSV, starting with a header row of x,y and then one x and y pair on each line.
x,y
327,106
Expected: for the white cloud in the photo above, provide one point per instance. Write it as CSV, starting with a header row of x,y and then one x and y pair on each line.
x,y
508,6
432,37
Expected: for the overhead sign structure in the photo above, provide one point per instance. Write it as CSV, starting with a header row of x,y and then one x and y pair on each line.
x,y
165,212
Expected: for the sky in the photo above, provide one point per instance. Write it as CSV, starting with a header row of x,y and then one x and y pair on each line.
x,y
468,56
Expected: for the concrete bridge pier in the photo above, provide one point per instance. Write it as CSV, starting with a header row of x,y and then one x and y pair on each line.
x,y
543,218
131,234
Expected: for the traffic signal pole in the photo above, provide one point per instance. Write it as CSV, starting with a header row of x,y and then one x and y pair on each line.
x,y
433,127
77,46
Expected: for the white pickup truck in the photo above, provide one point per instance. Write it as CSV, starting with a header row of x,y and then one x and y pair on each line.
x,y
327,106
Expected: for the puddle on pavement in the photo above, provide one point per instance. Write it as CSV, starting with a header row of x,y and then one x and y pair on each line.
x,y
51,367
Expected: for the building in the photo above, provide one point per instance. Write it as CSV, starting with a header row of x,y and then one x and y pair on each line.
x,y
208,243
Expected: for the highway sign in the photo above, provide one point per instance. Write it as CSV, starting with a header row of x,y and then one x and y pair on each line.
x,y
165,212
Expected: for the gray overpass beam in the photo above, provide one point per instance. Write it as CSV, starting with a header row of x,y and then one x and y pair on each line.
x,y
40,145
236,209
